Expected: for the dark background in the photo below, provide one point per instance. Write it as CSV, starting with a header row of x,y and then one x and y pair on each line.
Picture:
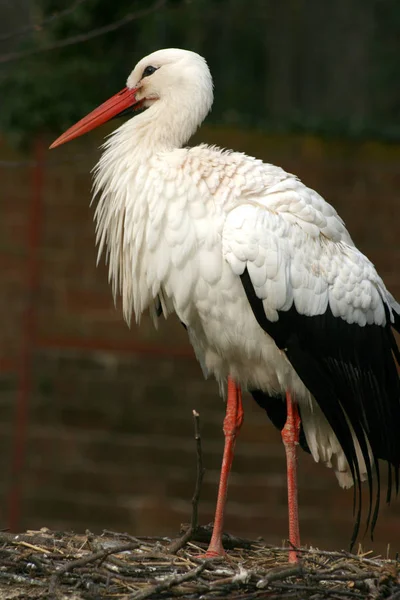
x,y
95,419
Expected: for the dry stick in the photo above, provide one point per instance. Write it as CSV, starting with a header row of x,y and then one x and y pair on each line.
x,y
17,538
278,575
358,578
200,471
336,554
39,26
339,566
333,554
299,571
125,536
80,562
309,588
170,582
186,537
83,37
203,534
21,579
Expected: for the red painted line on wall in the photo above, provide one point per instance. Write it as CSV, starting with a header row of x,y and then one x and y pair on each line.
x,y
104,345
32,273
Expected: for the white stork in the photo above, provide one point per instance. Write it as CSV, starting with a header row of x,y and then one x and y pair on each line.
x,y
261,271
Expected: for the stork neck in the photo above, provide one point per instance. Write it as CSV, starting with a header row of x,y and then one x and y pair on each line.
x,y
158,128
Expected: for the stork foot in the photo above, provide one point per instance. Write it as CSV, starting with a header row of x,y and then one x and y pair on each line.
x,y
212,554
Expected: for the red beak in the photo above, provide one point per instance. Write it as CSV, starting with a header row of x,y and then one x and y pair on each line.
x,y
125,99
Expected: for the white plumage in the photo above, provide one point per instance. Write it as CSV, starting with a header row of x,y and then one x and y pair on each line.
x,y
180,226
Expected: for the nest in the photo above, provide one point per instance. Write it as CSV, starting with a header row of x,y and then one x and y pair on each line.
x,y
116,566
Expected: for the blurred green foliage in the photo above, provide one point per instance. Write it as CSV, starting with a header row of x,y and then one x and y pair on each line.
x,y
292,65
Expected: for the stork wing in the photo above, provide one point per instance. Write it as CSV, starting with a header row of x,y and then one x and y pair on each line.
x,y
326,307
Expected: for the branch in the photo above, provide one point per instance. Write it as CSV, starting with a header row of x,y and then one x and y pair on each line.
x,y
203,535
279,574
21,579
80,562
84,37
38,26
200,471
180,542
168,583
292,587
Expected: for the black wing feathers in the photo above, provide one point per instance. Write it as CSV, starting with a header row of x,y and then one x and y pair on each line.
x,y
396,323
350,370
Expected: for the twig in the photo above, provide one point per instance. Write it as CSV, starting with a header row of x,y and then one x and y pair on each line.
x,y
308,588
20,579
342,554
32,547
200,471
339,566
332,577
80,562
180,542
123,535
39,564
187,536
84,37
279,574
168,583
203,534
16,538
332,554
38,26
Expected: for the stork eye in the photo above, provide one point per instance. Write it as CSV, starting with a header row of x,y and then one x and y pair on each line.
x,y
149,71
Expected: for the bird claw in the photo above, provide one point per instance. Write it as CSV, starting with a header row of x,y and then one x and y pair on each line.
x,y
211,554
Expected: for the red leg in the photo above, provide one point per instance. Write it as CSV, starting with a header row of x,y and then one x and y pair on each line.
x,y
232,424
290,437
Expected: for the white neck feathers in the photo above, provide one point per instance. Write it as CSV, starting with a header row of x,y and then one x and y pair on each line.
x,y
121,181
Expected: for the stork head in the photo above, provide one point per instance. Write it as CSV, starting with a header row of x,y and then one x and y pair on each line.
x,y
169,82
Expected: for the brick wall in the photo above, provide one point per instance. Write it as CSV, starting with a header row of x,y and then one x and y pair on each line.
x,y
109,439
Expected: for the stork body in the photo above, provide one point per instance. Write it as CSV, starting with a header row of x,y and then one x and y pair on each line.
x,y
182,255
260,269
194,212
